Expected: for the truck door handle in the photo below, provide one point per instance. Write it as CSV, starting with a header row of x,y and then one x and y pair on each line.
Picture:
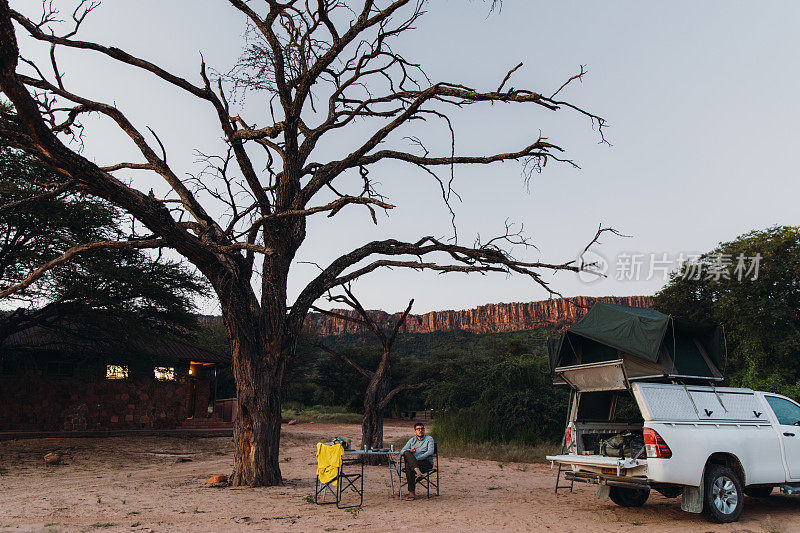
x,y
788,434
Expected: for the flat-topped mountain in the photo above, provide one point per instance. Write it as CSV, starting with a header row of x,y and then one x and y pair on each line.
x,y
489,318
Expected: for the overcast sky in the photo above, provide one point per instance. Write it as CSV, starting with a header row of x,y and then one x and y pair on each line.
x,y
700,99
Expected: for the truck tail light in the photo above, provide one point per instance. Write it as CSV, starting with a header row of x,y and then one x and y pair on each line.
x,y
655,446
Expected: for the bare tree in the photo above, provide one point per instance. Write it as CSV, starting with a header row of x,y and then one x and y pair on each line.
x,y
322,66
377,395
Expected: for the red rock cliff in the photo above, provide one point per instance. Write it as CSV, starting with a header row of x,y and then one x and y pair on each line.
x,y
489,318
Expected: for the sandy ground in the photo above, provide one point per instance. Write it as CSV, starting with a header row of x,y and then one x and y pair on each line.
x,y
136,484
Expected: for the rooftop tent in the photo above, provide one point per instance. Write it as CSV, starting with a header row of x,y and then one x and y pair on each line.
x,y
613,344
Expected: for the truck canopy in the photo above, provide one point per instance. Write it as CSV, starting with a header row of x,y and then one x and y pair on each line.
x,y
612,344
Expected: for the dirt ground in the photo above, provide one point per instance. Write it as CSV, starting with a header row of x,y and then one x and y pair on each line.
x,y
138,484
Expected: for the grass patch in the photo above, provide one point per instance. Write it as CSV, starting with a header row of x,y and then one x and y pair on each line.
x,y
353,511
320,413
503,453
99,525
493,451
476,435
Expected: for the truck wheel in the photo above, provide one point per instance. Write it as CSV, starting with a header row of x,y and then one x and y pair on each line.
x,y
723,495
628,497
758,491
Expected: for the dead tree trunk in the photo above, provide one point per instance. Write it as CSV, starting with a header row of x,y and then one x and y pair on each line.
x,y
372,423
376,395
260,349
257,427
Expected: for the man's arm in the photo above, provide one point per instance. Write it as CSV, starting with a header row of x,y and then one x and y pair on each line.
x,y
407,446
426,448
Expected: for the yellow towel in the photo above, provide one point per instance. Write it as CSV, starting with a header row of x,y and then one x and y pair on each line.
x,y
329,459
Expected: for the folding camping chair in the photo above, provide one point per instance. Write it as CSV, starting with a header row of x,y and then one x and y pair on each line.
x,y
348,481
340,483
331,487
426,479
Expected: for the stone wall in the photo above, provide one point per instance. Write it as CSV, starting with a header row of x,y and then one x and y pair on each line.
x,y
30,401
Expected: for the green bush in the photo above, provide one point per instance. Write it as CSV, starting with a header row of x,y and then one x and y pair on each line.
x,y
760,315
502,395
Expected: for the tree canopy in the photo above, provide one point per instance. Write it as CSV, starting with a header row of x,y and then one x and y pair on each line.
x,y
41,216
750,285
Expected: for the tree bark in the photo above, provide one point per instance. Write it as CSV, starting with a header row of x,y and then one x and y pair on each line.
x,y
257,429
259,354
372,423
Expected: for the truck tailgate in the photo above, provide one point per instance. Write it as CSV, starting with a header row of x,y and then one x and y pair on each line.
x,y
597,461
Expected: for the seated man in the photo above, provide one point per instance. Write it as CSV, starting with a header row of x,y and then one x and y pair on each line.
x,y
417,453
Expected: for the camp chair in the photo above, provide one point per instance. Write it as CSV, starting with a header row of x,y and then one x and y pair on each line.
x,y
348,481
330,488
340,483
426,479
325,489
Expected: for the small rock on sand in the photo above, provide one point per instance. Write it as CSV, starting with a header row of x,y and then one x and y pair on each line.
x,y
291,422
218,480
52,458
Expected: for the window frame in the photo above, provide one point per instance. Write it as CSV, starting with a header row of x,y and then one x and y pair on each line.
x,y
767,397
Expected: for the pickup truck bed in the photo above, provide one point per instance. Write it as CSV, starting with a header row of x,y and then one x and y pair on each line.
x,y
713,445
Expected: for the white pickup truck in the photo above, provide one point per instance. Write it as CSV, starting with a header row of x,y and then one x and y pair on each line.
x,y
711,444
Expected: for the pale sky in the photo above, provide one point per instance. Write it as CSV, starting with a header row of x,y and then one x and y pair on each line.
x,y
700,99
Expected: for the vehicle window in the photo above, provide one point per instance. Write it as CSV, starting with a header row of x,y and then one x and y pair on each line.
x,y
595,405
787,412
627,409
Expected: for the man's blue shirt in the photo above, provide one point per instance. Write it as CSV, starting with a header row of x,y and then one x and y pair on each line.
x,y
424,447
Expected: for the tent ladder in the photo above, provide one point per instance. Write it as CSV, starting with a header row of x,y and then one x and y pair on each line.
x,y
562,468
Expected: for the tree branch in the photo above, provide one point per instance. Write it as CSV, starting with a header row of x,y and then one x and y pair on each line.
x,y
69,254
115,53
444,92
25,202
394,392
366,374
483,258
400,322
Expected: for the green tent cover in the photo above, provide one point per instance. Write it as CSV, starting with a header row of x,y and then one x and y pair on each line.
x,y
641,331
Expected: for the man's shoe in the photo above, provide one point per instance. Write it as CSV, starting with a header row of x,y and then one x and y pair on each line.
x,y
411,496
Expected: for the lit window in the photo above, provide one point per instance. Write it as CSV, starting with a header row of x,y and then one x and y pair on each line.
x,y
165,373
116,372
